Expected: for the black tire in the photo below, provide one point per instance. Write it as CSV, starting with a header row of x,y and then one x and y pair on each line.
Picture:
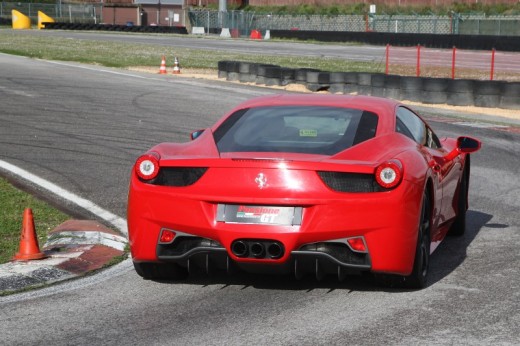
x,y
510,96
490,101
392,93
458,228
160,271
272,72
243,67
351,77
461,86
312,77
392,82
511,89
460,99
434,97
300,74
435,84
411,83
377,80
232,66
337,77
488,87
419,277
324,78
510,102
411,88
287,75
364,79
337,88
377,91
222,65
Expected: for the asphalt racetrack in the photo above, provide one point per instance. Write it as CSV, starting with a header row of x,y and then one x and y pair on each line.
x,y
81,127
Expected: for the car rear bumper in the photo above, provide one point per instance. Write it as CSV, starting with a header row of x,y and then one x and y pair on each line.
x,y
387,221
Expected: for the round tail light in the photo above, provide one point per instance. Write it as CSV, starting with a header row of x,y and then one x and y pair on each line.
x,y
147,166
389,174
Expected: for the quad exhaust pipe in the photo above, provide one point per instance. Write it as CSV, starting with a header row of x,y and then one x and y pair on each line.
x,y
260,249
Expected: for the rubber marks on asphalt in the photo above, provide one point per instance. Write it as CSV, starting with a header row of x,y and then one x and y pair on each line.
x,y
103,214
480,125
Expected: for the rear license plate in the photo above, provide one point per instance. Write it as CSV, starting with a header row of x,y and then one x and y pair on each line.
x,y
259,214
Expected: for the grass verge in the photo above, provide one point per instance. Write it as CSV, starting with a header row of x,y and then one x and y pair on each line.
x,y
128,55
13,202
123,55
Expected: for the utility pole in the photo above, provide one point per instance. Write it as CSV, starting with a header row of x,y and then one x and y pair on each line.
x,y
222,5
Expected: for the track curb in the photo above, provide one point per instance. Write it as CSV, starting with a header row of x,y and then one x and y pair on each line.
x,y
74,248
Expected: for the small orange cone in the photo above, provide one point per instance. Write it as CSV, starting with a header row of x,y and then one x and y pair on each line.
x,y
162,70
176,67
29,248
255,35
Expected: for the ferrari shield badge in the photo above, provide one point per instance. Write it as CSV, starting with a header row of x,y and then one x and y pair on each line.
x,y
261,180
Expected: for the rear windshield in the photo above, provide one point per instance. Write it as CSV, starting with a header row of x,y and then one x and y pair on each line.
x,y
296,129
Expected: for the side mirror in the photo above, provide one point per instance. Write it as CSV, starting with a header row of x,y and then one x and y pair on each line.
x,y
465,145
468,145
196,134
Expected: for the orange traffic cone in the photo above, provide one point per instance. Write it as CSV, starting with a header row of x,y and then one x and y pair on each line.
x,y
29,249
176,67
162,70
255,35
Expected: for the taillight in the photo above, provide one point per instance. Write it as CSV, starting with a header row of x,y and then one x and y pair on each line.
x,y
147,166
389,174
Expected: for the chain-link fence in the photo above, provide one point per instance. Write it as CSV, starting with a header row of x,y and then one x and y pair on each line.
x,y
454,23
71,13
243,22
489,25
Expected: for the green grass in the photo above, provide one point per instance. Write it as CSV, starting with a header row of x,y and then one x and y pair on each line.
x,y
13,202
123,55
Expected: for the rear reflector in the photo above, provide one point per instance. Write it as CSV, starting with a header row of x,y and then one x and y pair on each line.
x,y
167,236
357,244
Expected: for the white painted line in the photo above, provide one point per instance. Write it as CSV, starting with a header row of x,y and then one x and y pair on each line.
x,y
479,125
237,89
93,69
111,218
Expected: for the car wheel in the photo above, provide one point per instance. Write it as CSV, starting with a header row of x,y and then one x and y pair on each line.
x,y
160,271
418,278
458,228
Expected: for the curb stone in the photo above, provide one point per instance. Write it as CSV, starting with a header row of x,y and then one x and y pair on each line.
x,y
74,249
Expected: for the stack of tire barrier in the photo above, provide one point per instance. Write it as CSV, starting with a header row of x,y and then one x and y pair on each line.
x,y
454,92
112,27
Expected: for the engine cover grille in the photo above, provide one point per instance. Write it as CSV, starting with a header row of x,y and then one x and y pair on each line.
x,y
350,182
178,176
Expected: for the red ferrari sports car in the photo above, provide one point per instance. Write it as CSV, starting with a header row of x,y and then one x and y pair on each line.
x,y
302,184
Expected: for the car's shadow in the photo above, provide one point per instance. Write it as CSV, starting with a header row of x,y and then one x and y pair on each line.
x,y
453,250
448,256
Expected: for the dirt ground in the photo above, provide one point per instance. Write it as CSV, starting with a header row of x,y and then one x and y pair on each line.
x,y
210,74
